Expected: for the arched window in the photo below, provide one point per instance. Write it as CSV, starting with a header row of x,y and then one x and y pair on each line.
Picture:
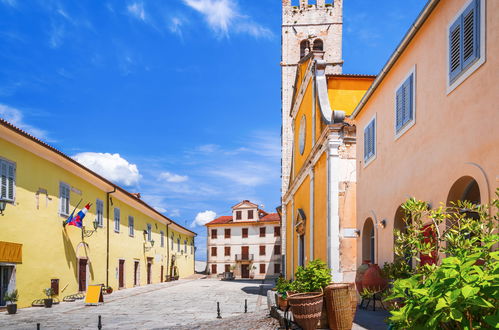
x,y
304,48
464,189
318,45
368,241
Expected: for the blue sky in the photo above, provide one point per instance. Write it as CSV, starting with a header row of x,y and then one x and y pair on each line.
x,y
179,99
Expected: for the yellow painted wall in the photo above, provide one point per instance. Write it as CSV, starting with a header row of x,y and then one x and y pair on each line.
x,y
289,240
320,208
346,92
51,251
304,110
301,201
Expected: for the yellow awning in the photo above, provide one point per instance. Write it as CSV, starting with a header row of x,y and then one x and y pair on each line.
x,y
11,252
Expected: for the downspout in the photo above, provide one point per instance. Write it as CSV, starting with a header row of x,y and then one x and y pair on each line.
x,y
107,233
168,252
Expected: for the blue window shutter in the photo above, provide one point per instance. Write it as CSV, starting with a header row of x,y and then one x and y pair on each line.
x,y
470,26
399,108
407,100
455,49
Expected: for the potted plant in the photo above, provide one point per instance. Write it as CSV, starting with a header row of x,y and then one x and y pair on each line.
x,y
12,298
175,272
49,293
307,303
252,271
282,287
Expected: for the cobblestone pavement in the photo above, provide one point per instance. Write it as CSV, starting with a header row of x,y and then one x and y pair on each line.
x,y
183,304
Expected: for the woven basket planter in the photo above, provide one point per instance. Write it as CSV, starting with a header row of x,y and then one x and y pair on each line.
x,y
306,308
341,305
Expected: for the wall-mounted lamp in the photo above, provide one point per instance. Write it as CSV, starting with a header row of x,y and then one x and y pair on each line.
x,y
382,224
88,233
3,204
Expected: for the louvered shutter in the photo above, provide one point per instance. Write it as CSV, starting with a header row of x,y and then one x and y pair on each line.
x,y
366,143
373,138
470,37
399,108
3,181
11,181
64,198
117,219
408,100
455,49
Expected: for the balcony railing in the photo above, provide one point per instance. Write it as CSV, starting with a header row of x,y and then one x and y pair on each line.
x,y
244,257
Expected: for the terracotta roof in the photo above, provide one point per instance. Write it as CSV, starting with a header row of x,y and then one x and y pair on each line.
x,y
17,130
225,219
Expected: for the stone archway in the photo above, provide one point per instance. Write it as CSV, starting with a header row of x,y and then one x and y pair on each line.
x,y
464,189
368,241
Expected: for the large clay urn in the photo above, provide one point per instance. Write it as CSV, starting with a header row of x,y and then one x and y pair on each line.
x,y
360,274
373,280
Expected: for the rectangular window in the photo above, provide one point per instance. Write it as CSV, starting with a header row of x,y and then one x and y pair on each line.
x,y
64,197
213,233
99,206
464,40
277,250
262,250
404,104
7,180
116,219
262,231
149,232
227,251
238,215
245,232
262,268
178,244
227,268
227,233
370,140
250,214
185,246
162,237
171,242
277,231
192,247
277,268
213,251
213,269
131,226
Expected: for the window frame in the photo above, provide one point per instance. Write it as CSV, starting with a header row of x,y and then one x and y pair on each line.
x,y
277,231
227,251
410,123
14,181
214,248
68,186
227,230
369,160
277,268
117,221
149,232
216,233
264,232
239,215
131,226
262,250
277,248
251,214
162,238
473,66
99,212
243,231
264,269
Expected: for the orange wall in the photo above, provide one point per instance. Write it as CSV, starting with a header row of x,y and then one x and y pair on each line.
x,y
454,135
320,208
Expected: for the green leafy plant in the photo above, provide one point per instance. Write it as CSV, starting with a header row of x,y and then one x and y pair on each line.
x,y
283,286
11,297
460,292
49,292
397,269
311,278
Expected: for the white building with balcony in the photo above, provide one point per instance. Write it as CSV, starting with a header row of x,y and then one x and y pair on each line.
x,y
247,243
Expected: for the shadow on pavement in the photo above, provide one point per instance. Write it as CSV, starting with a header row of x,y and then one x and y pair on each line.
x,y
369,319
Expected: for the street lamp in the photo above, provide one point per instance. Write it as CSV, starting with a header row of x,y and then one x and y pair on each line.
x,y
3,204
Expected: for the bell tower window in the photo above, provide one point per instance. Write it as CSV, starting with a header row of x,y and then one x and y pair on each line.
x,y
318,44
304,48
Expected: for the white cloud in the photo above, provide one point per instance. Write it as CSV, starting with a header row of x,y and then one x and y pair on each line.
x,y
15,117
174,213
246,173
223,17
203,218
160,209
111,166
174,178
137,10
176,25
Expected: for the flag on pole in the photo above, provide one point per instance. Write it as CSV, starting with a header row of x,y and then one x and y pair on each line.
x,y
78,219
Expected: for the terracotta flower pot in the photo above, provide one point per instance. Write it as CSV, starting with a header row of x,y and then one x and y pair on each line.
x,y
306,308
360,274
373,280
281,302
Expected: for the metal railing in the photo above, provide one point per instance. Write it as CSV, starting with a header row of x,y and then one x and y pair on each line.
x,y
244,257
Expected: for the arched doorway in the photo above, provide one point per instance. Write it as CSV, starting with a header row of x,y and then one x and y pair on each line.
x,y
464,189
368,241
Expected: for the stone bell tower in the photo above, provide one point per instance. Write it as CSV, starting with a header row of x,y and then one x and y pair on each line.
x,y
311,25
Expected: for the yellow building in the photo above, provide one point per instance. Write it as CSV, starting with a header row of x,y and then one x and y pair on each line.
x,y
124,241
319,205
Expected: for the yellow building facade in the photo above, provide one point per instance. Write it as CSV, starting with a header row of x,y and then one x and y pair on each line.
x,y
124,242
319,206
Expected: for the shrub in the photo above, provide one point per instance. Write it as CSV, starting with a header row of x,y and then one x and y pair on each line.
x,y
462,292
11,297
312,278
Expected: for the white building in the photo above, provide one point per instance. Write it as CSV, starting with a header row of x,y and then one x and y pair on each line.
x,y
248,243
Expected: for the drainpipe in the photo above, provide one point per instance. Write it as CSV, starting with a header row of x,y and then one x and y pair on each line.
x,y
107,233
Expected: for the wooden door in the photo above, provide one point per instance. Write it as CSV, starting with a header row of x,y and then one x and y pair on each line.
x,y
245,252
82,275
245,271
121,274
136,273
149,268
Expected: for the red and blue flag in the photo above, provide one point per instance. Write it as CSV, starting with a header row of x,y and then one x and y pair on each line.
x,y
78,219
